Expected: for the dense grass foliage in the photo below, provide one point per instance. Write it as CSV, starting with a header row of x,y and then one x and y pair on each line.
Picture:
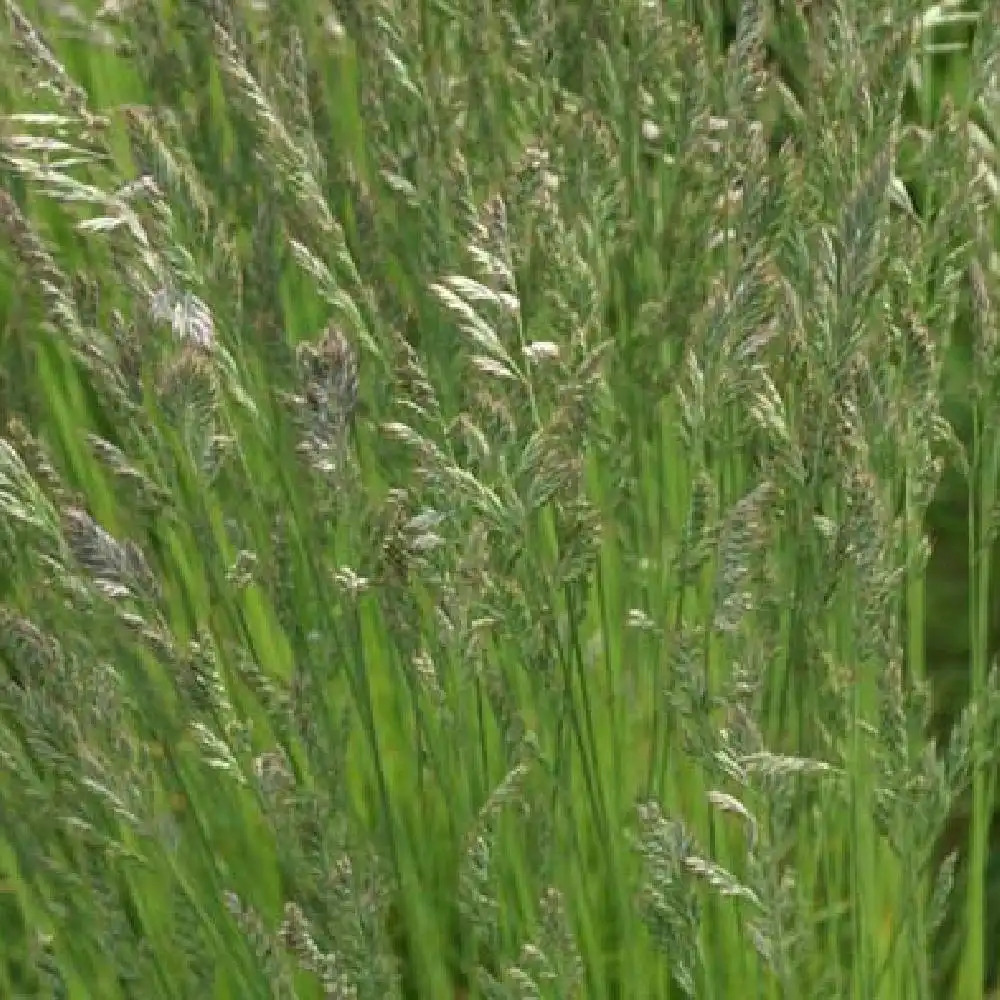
x,y
498,500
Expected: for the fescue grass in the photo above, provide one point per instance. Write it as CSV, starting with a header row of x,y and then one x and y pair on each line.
x,y
476,500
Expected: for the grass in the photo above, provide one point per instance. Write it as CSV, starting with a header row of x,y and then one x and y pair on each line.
x,y
498,500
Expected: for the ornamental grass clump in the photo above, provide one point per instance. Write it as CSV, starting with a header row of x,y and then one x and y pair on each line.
x,y
481,489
